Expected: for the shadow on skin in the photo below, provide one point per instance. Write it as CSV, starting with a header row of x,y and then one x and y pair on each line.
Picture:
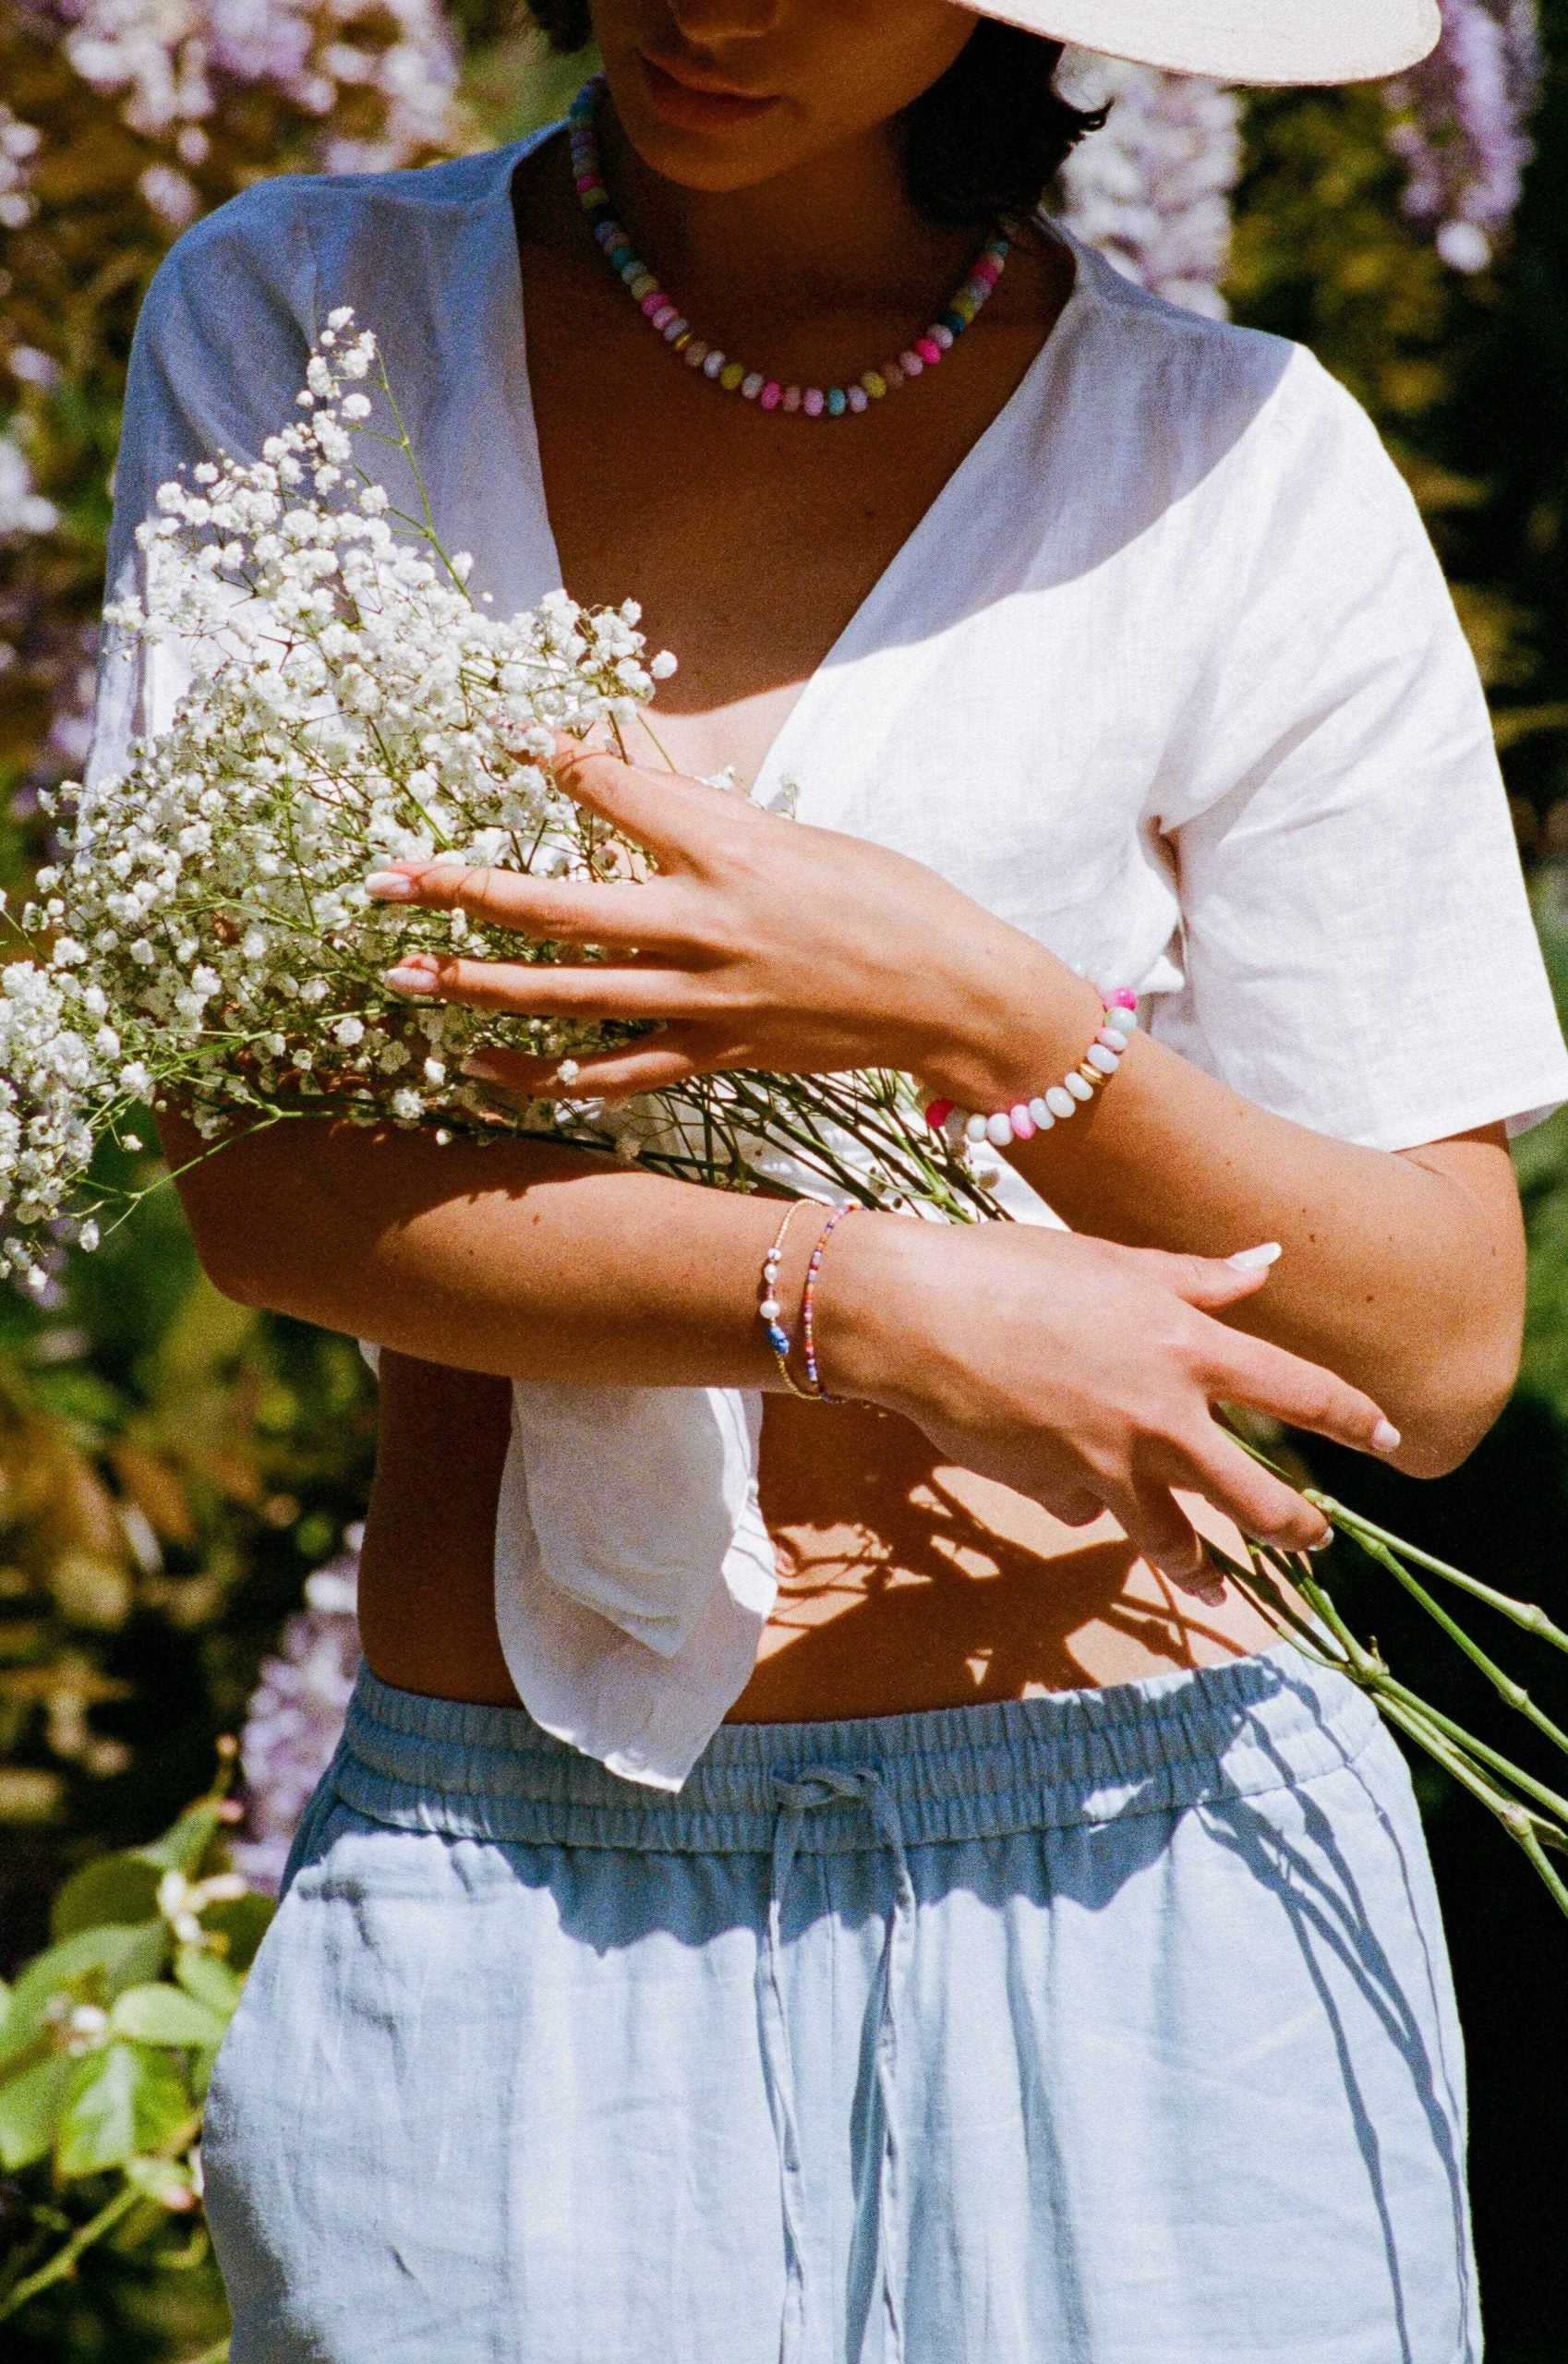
x,y
898,1578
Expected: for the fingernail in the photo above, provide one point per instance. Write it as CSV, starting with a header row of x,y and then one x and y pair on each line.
x,y
1254,1260
410,981
390,887
1322,1543
1204,1586
1195,1576
483,1069
1385,1436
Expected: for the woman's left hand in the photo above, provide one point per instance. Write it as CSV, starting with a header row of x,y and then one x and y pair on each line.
x,y
760,943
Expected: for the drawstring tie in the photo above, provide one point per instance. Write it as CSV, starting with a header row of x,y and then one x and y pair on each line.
x,y
830,1786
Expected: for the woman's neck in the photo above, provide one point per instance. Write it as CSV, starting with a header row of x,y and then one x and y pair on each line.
x,y
835,236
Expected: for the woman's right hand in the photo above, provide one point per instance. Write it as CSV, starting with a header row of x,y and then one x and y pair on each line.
x,y
1081,1373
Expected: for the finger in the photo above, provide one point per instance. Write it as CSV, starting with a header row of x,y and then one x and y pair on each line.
x,y
548,989
557,910
1263,1505
669,813
654,1064
1210,1283
1269,1377
1156,1523
1074,1506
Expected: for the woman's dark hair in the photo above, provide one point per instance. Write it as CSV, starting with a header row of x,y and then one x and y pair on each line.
x,y
986,138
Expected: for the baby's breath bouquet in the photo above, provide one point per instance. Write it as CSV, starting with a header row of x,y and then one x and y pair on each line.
x,y
207,936
210,938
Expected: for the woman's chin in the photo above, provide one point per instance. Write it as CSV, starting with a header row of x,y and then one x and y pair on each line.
x,y
714,142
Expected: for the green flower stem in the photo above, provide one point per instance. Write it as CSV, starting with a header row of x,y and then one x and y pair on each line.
x,y
1535,1853
1477,1767
1522,1613
1555,1804
1367,1668
64,2260
68,2256
1503,1684
1517,1821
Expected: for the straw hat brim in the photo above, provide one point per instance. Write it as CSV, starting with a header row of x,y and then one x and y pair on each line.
x,y
1240,41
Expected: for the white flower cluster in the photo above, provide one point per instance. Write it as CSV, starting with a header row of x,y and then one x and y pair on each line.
x,y
349,704
20,142
1152,190
51,1083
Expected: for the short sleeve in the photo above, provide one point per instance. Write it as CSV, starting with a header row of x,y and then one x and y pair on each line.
x,y
218,354
1357,948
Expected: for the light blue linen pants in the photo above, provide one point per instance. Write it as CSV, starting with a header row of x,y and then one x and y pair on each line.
x,y
1108,2028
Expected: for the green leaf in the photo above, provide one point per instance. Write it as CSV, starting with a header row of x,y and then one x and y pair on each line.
x,y
161,2014
93,1966
243,1924
117,1889
165,2180
182,1847
30,2111
124,2099
210,1981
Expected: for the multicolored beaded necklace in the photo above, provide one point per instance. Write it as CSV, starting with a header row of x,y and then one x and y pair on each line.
x,y
664,316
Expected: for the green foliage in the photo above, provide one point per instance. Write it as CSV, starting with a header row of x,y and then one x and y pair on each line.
x,y
1541,1160
1467,377
106,2044
171,1465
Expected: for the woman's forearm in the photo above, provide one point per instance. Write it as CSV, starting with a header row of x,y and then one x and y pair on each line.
x,y
512,1258
1073,1370
784,947
1405,1274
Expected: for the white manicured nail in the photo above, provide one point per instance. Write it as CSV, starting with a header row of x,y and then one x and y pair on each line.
x,y
410,981
390,887
1385,1436
1254,1260
1200,1583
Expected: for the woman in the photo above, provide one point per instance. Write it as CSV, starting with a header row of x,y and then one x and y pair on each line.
x,y
1037,1959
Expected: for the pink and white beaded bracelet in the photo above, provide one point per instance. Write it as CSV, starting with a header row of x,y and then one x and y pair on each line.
x,y
1021,1122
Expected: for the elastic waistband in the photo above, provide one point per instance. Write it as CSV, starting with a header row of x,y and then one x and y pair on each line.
x,y
1260,1723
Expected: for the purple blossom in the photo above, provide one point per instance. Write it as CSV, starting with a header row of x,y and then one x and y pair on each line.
x,y
1152,190
167,61
295,1715
1459,127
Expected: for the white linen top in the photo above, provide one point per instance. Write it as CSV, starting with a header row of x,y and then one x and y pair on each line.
x,y
1167,676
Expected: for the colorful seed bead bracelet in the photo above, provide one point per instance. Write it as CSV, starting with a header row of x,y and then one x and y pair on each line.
x,y
808,1305
665,317
1055,1105
770,1312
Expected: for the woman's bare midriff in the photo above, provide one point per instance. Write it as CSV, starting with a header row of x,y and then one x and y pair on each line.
x,y
904,1585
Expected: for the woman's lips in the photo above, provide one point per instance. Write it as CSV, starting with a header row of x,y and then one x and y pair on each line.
x,y
689,107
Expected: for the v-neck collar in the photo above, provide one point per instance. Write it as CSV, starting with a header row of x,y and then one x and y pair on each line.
x,y
859,633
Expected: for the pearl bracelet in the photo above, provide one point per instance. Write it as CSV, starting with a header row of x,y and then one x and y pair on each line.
x,y
1056,1104
770,1312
